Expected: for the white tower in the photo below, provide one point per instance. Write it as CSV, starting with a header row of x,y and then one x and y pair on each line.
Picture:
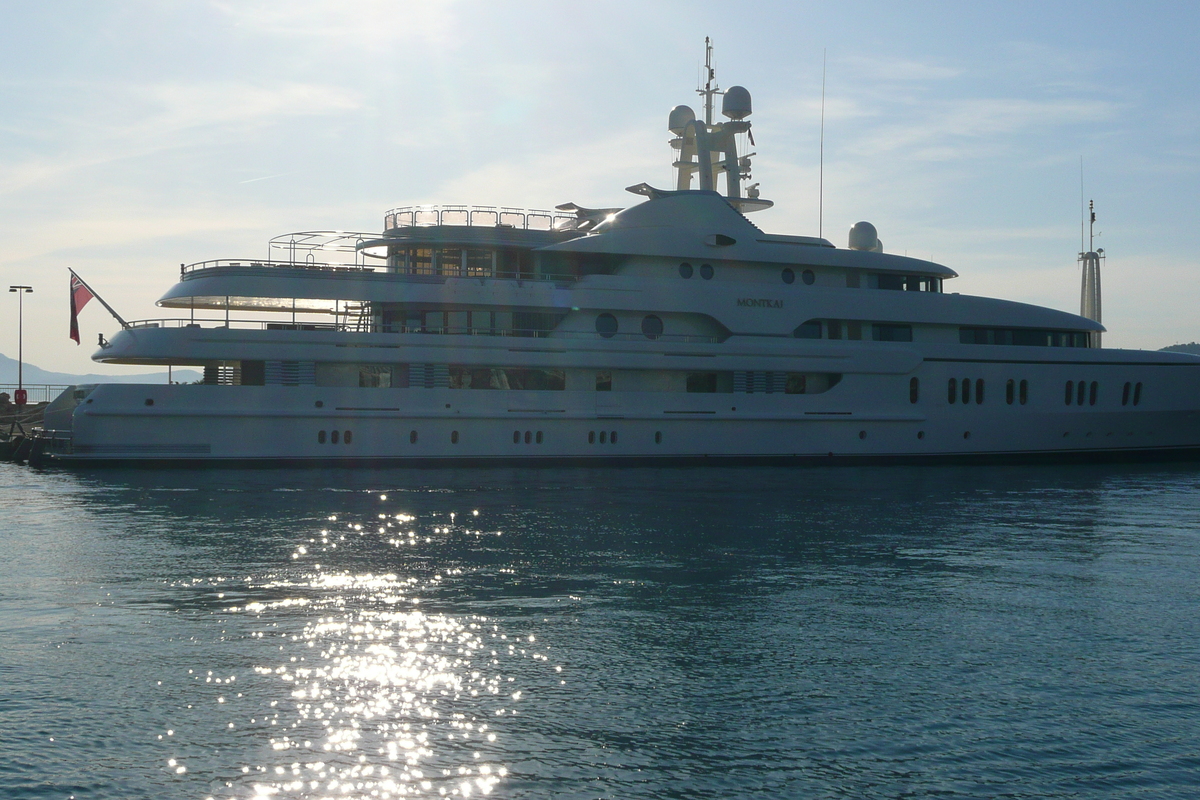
x,y
1089,298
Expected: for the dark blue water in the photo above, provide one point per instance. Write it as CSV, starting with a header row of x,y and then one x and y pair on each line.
x,y
636,633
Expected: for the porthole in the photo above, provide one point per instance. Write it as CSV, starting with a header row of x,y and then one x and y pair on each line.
x,y
706,271
920,434
1010,391
516,437
149,401
1125,393
1082,391
1092,391
453,437
966,434
347,437
412,437
788,275
528,437
952,391
612,437
1137,393
685,270
1024,392
979,391
319,404
808,277
591,437
966,390
320,437
652,326
606,325
862,434
539,437
658,437
914,390
333,436
603,437
1070,392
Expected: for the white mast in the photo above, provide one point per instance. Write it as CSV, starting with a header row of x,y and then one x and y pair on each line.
x,y
1089,298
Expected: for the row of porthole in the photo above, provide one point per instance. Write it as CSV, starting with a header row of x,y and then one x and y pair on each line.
x,y
606,326
1076,392
346,437
1137,394
789,276
605,437
920,434
686,271
529,437
952,392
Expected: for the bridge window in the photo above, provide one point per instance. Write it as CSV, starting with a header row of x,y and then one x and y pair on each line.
x,y
891,333
1023,337
809,330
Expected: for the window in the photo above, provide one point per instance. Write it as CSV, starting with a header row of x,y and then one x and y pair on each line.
x,y
835,329
612,437
348,437
809,330
539,437
788,275
1082,391
603,437
706,271
412,437
333,437
1125,393
658,437
978,392
808,277
1070,392
513,378
1024,337
891,333
453,437
705,382
652,326
516,437
914,390
1137,393
797,383
606,325
1024,392
320,437
952,391
1092,390
1009,391
528,437
604,381
966,390
591,437
685,270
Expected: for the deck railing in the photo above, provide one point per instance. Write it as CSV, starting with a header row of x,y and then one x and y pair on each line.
x,y
36,392
530,219
353,326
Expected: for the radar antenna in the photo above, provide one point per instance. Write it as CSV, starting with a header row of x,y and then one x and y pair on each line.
x,y
1089,296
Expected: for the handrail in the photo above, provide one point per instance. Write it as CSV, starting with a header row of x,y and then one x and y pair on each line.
x,y
352,327
326,266
532,219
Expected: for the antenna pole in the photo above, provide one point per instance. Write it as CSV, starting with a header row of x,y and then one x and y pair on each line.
x,y
1081,205
708,79
821,168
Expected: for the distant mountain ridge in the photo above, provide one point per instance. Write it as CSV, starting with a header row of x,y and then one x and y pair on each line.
x,y
1191,347
34,375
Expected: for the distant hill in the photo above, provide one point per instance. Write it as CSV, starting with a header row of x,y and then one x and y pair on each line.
x,y
1190,347
33,374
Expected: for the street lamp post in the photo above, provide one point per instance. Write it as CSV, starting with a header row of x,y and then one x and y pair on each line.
x,y
21,291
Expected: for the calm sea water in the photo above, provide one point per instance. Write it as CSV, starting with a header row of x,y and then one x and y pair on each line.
x,y
632,633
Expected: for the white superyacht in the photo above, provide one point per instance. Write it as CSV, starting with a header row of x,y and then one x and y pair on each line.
x,y
672,330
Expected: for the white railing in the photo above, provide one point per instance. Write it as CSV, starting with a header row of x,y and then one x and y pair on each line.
x,y
530,219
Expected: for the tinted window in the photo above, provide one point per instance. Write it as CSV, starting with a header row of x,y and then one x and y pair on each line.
x,y
1125,394
914,390
1092,390
334,436
808,277
1009,391
321,434
706,271
652,327
891,333
978,391
952,391
1024,392
606,325
702,382
788,275
1069,393
1137,393
685,270
808,330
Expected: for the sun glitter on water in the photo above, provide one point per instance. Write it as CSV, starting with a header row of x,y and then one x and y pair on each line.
x,y
369,696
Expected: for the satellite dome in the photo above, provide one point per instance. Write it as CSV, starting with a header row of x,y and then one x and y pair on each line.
x,y
736,102
863,236
679,119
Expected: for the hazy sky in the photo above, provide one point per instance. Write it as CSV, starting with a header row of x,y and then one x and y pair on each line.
x,y
139,135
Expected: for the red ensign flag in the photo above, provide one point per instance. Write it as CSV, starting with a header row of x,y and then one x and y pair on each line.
x,y
80,294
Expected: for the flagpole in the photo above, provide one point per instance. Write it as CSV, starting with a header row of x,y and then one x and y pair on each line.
x,y
116,316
